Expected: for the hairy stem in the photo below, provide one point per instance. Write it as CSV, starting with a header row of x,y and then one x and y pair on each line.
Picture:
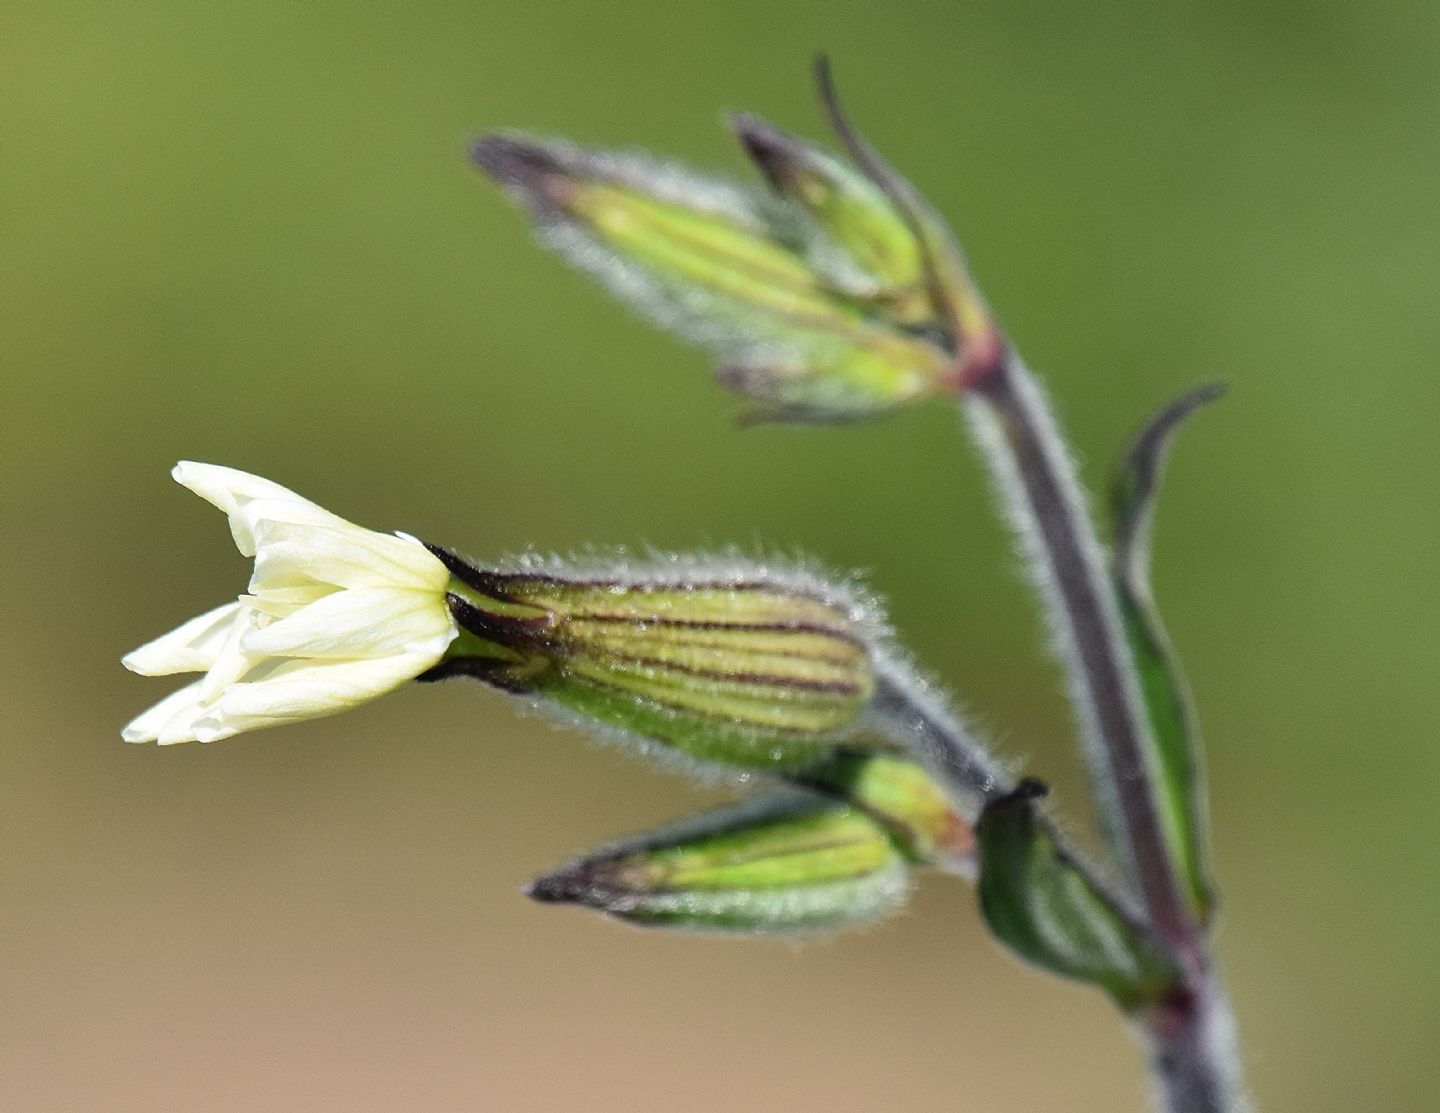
x,y
1193,1054
912,713
1048,509
1191,1037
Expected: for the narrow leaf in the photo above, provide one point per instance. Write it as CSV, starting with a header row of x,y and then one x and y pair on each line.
x,y
1167,698
1049,911
775,865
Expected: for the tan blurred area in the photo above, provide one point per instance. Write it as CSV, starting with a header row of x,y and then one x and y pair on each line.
x,y
246,233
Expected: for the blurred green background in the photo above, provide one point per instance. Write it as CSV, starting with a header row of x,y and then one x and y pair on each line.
x,y
247,233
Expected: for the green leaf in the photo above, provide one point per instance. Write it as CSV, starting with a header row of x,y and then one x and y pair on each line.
x,y
1053,913
1178,753
768,866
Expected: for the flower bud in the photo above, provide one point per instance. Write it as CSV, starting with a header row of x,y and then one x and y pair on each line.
x,y
735,271
901,794
856,217
841,296
768,866
741,667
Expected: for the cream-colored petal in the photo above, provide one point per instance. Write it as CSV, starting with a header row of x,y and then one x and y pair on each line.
x,y
247,521
232,662
228,488
235,492
306,690
291,555
191,647
281,602
149,725
365,622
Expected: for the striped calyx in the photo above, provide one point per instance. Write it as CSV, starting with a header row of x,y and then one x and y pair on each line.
x,y
765,866
739,666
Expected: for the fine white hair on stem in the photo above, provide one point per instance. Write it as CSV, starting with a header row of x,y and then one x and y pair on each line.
x,y
989,432
916,710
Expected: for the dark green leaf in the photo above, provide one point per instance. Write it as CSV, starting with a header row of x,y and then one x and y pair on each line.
x,y
1167,699
1050,911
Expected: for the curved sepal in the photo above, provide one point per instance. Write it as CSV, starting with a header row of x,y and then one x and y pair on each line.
x,y
1050,912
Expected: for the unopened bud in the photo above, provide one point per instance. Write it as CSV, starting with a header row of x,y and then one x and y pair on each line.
x,y
734,270
769,866
854,215
742,667
903,795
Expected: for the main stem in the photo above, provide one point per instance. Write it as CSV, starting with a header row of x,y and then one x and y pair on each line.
x,y
1191,1035
1071,565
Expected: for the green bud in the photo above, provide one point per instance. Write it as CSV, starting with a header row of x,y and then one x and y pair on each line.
x,y
904,796
973,336
732,270
735,666
856,216
768,866
1050,912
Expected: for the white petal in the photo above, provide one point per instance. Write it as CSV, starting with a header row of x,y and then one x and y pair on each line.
x,y
366,622
292,555
281,602
191,647
228,488
181,706
235,492
306,690
246,522
231,663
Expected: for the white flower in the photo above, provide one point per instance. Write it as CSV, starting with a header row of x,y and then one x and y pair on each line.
x,y
336,615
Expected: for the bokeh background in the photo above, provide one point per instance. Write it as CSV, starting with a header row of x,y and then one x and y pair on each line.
x,y
247,233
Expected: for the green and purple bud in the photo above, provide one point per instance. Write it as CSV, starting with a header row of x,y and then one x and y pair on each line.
x,y
740,666
788,864
865,240
735,270
838,294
